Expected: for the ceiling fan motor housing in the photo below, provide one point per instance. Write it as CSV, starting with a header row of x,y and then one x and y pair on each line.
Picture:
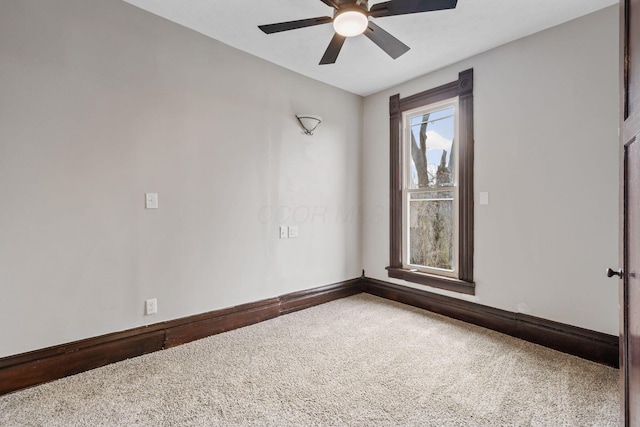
x,y
353,5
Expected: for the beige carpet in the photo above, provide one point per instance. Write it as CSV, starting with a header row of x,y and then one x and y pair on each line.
x,y
359,361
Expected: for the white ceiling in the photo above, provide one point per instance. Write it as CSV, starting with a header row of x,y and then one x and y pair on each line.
x,y
436,39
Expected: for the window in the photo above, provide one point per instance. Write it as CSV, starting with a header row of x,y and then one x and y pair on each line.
x,y
429,190
432,186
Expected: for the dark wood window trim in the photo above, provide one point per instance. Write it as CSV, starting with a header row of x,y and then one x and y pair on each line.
x,y
463,89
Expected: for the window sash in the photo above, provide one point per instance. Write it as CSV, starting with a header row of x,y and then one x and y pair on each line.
x,y
406,191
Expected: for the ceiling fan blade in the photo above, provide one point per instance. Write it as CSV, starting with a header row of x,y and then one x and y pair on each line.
x,y
331,54
385,41
332,3
292,25
404,7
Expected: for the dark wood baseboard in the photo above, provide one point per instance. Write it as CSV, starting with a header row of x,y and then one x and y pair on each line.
x,y
584,343
305,299
40,366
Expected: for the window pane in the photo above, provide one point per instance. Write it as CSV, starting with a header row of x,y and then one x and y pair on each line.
x,y
432,145
431,230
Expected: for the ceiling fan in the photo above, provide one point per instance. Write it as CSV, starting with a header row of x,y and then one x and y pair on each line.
x,y
351,18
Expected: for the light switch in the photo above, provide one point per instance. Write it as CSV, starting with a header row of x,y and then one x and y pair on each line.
x,y
293,231
284,232
151,200
484,197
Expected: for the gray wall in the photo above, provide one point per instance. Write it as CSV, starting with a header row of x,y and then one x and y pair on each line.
x,y
101,102
546,150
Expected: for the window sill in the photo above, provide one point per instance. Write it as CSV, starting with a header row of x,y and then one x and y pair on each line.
x,y
440,282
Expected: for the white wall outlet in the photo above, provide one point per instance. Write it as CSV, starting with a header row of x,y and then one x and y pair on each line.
x,y
293,231
151,306
484,197
284,232
151,200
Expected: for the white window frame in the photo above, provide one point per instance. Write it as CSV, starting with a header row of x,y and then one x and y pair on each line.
x,y
406,191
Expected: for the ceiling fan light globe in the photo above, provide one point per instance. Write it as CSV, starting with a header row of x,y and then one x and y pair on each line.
x,y
350,23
